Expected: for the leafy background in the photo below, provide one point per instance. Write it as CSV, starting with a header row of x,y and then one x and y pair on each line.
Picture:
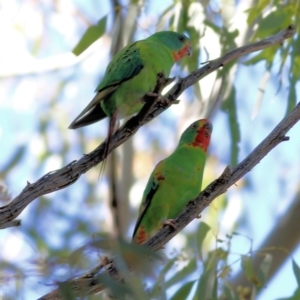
x,y
43,88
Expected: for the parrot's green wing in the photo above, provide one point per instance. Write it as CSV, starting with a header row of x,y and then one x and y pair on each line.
x,y
125,65
150,191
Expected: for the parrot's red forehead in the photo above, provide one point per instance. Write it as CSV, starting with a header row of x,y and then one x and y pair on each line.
x,y
185,51
202,138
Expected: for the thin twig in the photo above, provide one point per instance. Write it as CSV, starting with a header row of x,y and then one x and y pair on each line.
x,y
90,283
67,175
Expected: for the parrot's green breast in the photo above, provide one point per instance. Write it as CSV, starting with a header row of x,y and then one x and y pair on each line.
x,y
175,181
183,177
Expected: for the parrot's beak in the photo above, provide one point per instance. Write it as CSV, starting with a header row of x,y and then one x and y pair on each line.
x,y
189,50
185,51
208,127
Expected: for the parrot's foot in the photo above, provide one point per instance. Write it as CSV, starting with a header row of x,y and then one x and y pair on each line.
x,y
191,202
104,260
164,101
167,101
162,81
170,223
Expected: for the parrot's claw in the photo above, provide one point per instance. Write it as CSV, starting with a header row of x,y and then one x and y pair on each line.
x,y
162,80
191,202
104,260
170,223
167,101
199,217
163,101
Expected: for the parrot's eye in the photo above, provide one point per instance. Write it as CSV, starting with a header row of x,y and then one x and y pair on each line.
x,y
181,38
194,125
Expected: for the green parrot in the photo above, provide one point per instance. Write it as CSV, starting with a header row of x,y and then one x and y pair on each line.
x,y
131,74
173,182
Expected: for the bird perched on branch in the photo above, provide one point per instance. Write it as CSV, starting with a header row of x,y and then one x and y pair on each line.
x,y
173,182
132,75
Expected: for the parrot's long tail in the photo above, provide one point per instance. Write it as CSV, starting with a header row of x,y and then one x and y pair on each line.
x,y
111,130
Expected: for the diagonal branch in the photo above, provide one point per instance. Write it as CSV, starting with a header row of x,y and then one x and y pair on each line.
x,y
91,281
67,175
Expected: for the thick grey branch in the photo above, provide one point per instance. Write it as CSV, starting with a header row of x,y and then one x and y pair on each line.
x,y
61,178
90,282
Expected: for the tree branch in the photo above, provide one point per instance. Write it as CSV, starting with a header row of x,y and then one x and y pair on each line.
x,y
91,283
67,175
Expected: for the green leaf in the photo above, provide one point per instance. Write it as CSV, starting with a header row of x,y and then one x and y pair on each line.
x,y
267,55
158,291
15,160
296,271
183,273
161,278
227,40
229,292
229,106
117,289
169,265
213,26
292,95
256,10
294,74
92,34
184,291
208,281
65,289
247,266
165,18
202,231
296,295
295,66
264,268
139,257
275,21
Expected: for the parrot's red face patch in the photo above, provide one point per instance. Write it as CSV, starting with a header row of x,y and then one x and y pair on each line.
x,y
202,139
185,51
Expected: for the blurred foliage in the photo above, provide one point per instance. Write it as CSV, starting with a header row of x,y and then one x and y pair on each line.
x,y
46,90
91,35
